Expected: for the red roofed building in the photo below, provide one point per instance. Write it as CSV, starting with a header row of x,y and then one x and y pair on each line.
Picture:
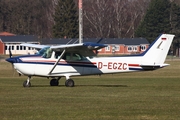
x,y
2,46
12,42
6,34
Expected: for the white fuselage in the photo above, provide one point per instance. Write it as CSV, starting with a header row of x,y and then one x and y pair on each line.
x,y
71,61
38,66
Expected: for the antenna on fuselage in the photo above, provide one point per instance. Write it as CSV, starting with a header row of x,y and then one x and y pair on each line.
x,y
80,22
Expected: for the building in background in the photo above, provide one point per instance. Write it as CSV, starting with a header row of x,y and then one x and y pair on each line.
x,y
115,46
12,42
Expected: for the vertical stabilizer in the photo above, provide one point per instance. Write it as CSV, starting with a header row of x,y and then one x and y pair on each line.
x,y
158,50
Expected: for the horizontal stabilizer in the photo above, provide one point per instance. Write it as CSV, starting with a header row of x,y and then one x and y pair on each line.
x,y
153,67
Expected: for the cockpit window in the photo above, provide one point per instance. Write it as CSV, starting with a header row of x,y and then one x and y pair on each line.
x,y
76,56
69,56
43,50
47,53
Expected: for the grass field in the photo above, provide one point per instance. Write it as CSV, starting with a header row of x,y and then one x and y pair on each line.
x,y
153,95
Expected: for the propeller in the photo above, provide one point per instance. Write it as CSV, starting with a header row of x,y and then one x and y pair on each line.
x,y
10,56
12,60
10,53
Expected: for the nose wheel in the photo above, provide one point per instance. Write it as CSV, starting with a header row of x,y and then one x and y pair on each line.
x,y
27,82
69,83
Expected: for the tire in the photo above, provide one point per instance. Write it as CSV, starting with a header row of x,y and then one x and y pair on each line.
x,y
69,83
54,82
26,85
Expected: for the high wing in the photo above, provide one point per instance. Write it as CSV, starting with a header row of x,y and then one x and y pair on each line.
x,y
90,45
85,49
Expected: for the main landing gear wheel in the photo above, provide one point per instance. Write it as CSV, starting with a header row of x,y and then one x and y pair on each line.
x,y
26,84
54,82
69,83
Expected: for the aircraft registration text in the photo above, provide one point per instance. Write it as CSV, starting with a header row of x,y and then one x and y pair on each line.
x,y
113,65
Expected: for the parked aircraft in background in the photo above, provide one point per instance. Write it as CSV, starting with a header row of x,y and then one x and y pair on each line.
x,y
78,59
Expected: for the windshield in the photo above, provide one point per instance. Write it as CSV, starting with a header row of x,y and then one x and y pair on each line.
x,y
43,50
47,53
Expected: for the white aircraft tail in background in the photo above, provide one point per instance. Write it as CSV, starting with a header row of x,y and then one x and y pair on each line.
x,y
75,60
157,51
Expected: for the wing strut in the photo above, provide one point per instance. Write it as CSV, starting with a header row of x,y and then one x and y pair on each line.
x,y
57,61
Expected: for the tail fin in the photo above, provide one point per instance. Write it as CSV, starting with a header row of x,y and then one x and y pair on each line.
x,y
157,51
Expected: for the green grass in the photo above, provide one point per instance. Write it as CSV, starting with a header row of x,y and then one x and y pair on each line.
x,y
152,95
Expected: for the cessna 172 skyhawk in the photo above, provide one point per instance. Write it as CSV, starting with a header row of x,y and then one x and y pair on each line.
x,y
75,59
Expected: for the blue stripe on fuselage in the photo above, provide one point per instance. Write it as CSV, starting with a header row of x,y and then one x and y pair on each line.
x,y
138,69
62,64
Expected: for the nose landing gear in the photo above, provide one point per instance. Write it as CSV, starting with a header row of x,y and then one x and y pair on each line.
x,y
27,82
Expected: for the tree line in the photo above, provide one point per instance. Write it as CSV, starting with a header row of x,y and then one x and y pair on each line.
x,y
26,17
101,18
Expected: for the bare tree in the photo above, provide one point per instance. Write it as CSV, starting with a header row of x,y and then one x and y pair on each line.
x,y
49,16
120,17
102,18
136,11
97,13
113,18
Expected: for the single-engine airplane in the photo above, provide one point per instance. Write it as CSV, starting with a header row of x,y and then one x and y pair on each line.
x,y
75,60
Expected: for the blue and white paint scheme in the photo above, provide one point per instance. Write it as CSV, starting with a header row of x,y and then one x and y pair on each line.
x,y
79,59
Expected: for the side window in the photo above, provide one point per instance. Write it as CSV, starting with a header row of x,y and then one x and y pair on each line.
x,y
76,56
67,56
57,54
72,56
